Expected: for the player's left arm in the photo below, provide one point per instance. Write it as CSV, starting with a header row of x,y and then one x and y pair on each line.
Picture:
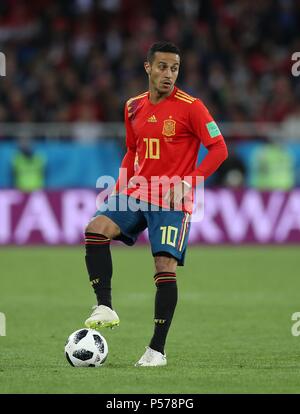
x,y
205,128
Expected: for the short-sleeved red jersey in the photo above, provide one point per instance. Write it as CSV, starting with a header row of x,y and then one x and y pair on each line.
x,y
166,138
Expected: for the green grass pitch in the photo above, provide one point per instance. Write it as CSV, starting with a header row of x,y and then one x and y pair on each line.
x,y
231,332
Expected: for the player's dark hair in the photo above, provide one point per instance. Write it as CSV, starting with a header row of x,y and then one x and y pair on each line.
x,y
166,47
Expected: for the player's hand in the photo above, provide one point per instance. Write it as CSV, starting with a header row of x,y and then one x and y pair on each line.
x,y
176,194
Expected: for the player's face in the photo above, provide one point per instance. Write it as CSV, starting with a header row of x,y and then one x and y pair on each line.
x,y
163,71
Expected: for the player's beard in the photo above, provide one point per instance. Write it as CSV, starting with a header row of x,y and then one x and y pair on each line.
x,y
159,87
164,89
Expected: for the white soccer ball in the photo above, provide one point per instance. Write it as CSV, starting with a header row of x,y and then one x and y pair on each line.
x,y
86,348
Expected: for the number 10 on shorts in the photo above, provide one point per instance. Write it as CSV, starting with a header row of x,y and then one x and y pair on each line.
x,y
169,235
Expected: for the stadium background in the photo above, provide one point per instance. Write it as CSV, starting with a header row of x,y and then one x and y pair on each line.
x,y
70,67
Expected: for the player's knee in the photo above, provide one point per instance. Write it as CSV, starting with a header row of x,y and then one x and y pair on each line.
x,y
165,264
103,225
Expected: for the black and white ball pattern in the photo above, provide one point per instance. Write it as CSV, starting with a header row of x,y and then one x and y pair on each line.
x,y
86,348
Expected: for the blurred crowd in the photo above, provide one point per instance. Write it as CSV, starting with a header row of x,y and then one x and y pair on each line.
x,y
80,60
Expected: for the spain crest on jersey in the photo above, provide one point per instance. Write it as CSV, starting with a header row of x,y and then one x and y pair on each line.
x,y
169,127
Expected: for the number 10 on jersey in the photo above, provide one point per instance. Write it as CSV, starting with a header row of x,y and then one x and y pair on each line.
x,y
152,148
169,235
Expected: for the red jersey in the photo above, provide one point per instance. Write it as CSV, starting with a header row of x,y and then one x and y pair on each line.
x,y
165,139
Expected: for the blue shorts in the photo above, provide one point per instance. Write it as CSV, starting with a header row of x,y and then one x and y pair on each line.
x,y
168,230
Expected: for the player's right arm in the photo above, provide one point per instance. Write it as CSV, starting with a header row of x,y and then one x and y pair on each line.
x,y
127,165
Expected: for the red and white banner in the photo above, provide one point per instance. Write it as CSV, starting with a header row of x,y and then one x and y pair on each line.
x,y
231,217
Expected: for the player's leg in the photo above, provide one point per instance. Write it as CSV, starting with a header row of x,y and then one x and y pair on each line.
x,y
165,300
116,222
168,234
164,307
99,232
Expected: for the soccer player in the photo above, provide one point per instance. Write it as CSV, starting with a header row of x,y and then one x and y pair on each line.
x,y
164,130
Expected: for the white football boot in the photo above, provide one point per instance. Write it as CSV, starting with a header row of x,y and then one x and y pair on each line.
x,y
151,358
102,317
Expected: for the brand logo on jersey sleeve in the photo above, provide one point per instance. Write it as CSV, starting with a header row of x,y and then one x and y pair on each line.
x,y
169,127
213,129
